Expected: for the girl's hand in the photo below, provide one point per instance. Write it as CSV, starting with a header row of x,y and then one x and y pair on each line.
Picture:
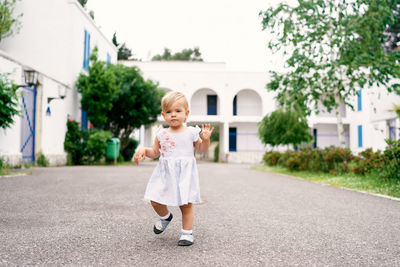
x,y
206,132
140,155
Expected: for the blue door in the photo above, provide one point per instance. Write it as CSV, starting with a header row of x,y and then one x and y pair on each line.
x,y
232,139
28,124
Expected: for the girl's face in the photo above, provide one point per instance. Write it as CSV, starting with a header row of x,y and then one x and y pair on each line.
x,y
175,115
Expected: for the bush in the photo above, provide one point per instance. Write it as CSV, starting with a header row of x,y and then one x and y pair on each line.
x,y
337,159
74,143
391,166
96,145
42,161
127,153
216,153
271,158
367,162
84,146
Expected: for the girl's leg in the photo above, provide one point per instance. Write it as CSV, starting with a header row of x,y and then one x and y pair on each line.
x,y
160,209
165,217
187,216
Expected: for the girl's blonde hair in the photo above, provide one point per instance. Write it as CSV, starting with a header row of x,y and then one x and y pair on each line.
x,y
171,98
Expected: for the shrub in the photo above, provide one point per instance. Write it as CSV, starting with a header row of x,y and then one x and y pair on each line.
x,y
337,159
271,158
391,167
127,153
96,145
42,161
316,160
283,160
216,153
367,161
74,143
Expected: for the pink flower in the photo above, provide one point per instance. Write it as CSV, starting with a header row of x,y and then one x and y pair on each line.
x,y
162,154
166,138
172,144
163,147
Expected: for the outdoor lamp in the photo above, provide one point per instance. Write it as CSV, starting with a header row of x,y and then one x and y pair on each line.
x,y
62,92
31,77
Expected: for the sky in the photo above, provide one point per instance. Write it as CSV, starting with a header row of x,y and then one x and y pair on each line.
x,y
225,30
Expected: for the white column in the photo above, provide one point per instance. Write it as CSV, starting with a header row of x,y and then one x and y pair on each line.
x,y
224,141
141,136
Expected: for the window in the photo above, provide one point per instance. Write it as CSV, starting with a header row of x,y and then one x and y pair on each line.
x,y
211,105
360,136
359,100
235,105
86,50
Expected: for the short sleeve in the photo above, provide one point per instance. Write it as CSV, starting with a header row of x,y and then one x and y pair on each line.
x,y
159,131
195,133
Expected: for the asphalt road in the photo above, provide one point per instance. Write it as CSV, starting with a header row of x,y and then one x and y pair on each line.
x,y
96,216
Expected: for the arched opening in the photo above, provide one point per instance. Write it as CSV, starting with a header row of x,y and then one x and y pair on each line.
x,y
205,102
247,102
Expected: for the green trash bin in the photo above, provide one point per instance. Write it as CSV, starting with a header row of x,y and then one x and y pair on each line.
x,y
113,146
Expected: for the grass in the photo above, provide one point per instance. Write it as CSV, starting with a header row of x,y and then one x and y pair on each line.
x,y
368,183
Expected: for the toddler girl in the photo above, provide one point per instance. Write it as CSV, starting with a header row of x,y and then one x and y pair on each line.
x,y
175,181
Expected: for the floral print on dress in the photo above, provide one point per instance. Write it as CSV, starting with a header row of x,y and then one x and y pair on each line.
x,y
166,144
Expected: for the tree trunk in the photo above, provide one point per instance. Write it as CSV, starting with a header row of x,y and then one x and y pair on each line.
x,y
340,128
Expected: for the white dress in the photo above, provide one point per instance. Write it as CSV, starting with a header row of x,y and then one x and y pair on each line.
x,y
175,180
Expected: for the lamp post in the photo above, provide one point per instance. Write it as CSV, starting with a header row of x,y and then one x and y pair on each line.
x,y
62,92
31,77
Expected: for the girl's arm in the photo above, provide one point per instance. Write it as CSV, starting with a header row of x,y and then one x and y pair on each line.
x,y
203,143
150,152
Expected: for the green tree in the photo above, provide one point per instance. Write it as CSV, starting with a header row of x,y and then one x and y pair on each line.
x,y
136,103
8,101
124,53
185,55
118,99
98,88
83,2
284,127
333,48
9,24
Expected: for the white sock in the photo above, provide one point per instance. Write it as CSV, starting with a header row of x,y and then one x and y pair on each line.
x,y
166,216
187,232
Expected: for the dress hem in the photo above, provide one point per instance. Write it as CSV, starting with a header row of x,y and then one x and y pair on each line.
x,y
171,204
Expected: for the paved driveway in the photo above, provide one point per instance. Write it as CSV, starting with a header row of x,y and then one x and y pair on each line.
x,y
95,215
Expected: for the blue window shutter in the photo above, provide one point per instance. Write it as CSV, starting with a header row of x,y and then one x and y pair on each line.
x,y
235,105
360,136
211,105
232,139
84,50
108,58
84,119
88,51
359,100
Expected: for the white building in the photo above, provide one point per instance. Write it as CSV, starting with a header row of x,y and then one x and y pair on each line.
x,y
55,41
237,101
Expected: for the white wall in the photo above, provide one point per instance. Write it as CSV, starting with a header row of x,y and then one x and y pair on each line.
x,y
51,38
51,41
247,137
327,135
